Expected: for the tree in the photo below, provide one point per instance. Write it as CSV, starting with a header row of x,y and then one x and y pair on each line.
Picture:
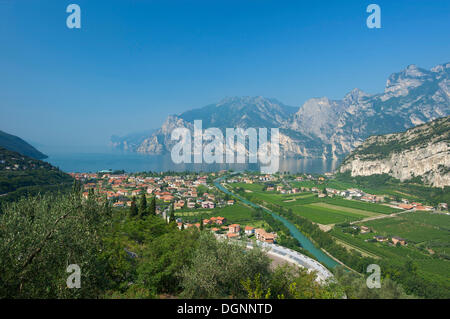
x,y
152,208
172,214
143,205
42,236
133,209
217,268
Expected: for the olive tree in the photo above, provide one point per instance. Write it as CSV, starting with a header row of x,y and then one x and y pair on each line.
x,y
41,236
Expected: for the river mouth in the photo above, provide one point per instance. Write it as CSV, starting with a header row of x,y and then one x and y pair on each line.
x,y
304,241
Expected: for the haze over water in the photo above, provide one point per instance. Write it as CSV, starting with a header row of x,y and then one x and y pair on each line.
x,y
133,162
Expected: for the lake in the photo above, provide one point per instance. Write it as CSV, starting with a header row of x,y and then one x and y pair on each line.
x,y
133,162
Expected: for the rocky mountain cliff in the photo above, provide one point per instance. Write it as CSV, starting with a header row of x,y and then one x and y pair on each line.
x,y
420,151
322,127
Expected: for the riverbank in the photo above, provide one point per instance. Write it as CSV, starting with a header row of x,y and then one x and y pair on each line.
x,y
301,238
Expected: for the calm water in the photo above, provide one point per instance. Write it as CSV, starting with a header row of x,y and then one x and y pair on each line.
x,y
132,162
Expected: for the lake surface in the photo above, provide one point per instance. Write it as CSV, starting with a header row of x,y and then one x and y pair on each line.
x,y
133,162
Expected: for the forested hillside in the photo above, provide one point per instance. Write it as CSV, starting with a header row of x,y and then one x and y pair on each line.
x,y
16,144
21,175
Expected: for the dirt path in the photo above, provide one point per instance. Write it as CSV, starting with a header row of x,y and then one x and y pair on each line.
x,y
380,217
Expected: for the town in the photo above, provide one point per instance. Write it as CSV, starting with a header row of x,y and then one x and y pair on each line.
x,y
194,199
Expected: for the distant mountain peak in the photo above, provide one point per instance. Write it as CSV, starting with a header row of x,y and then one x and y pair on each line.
x,y
324,127
355,95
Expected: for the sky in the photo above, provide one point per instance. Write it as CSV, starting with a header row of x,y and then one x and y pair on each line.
x,y
132,63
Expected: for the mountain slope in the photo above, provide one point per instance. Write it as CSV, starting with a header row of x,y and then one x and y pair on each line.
x,y
16,144
20,175
420,151
322,127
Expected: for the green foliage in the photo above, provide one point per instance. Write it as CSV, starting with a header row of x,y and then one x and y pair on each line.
x,y
355,287
18,145
172,214
152,208
24,176
143,205
133,208
217,269
382,146
384,184
40,236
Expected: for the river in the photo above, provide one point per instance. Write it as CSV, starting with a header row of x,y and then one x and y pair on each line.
x,y
302,239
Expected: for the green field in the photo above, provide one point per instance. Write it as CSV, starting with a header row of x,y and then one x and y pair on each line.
x,y
371,207
324,215
416,227
318,210
427,234
357,212
421,230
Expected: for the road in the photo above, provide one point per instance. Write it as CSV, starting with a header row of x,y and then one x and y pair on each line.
x,y
381,216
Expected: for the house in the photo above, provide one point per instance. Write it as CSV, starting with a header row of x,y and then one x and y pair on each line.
x,y
235,228
249,230
380,238
178,205
422,208
230,202
264,236
118,204
232,235
207,222
364,229
208,204
191,205
396,240
406,206
443,206
220,220
135,192
167,198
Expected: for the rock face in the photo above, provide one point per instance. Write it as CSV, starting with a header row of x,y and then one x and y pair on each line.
x,y
323,128
421,151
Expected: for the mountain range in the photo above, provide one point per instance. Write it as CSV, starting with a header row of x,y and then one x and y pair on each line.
x,y
321,127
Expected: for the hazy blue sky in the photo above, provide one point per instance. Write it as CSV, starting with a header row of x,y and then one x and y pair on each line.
x,y
134,62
